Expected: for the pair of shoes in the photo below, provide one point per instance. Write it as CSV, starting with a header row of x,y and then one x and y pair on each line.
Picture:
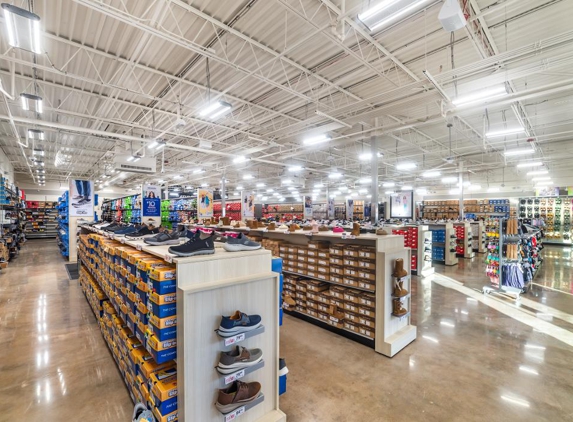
x,y
167,238
202,243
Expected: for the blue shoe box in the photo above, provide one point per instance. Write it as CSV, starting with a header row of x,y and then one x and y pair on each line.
x,y
282,384
162,287
162,311
165,333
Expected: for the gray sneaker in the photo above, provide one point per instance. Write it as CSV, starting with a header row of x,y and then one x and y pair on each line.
x,y
240,243
163,238
237,359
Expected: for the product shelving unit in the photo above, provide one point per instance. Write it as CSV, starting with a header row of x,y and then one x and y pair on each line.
x,y
464,240
209,286
556,213
41,218
126,209
479,236
359,285
419,240
63,229
443,241
473,209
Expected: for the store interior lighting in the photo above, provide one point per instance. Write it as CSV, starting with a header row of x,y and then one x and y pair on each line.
x,y
406,166
32,103
23,28
215,110
523,151
388,11
529,164
481,96
504,132
315,140
431,174
36,134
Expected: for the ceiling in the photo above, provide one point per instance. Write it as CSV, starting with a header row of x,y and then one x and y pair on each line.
x,y
119,73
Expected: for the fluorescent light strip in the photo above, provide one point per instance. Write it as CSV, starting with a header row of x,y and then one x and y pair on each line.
x,y
504,132
368,17
317,140
406,166
530,164
514,152
481,96
531,173
430,174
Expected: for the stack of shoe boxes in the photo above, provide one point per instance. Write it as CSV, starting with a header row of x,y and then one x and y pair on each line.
x,y
138,322
410,241
460,239
438,251
341,292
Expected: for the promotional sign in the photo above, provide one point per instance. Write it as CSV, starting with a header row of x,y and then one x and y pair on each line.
x,y
204,203
307,207
247,205
350,209
402,205
331,208
151,201
81,198
549,191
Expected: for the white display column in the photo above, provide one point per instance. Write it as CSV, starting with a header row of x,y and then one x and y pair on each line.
x,y
393,333
208,287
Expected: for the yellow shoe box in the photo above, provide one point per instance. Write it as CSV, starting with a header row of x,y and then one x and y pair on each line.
x,y
163,299
172,417
166,272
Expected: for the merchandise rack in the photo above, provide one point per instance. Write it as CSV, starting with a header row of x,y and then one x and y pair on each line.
x,y
464,240
390,334
479,236
447,235
41,217
209,286
419,239
555,211
473,208
63,229
126,209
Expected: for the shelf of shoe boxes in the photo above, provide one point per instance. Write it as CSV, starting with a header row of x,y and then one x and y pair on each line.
x,y
232,210
63,230
464,239
555,211
127,209
443,243
478,236
283,212
419,239
133,295
41,218
473,208
332,282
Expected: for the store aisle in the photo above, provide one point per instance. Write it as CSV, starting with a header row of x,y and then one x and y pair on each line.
x,y
469,363
54,363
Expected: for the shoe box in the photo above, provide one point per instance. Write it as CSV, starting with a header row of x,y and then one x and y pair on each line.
x,y
438,253
163,387
438,236
410,236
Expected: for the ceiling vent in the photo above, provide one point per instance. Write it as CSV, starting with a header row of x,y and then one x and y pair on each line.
x,y
145,165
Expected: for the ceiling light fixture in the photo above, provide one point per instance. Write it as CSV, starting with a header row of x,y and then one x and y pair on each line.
x,y
198,171
23,28
490,190
317,139
481,96
239,187
421,191
38,151
455,191
504,132
530,164
247,177
430,174
215,110
513,152
295,168
474,187
407,187
538,179
389,192
388,184
260,185
32,102
365,180
335,175
388,11
406,166
239,159
36,134
449,180
536,172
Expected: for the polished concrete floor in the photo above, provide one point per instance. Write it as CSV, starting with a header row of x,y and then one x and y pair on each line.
x,y
473,360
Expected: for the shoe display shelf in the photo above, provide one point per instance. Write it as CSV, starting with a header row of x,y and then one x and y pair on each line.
x,y
126,209
208,286
178,210
479,239
419,240
63,228
464,240
232,210
443,243
554,213
283,212
41,219
474,209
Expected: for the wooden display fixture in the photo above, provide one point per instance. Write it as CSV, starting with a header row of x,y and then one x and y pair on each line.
x,y
479,236
450,257
468,249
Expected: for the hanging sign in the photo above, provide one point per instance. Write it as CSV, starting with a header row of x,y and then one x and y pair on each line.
x,y
204,203
81,198
247,205
331,208
350,209
151,205
307,207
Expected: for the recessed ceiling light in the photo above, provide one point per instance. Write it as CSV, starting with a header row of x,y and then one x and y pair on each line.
x,y
317,139
388,184
430,174
406,166
335,175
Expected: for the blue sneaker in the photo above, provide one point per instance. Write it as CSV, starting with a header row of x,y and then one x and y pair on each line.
x,y
237,323
127,230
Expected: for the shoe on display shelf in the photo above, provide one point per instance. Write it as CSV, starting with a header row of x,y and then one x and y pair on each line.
x,y
283,370
240,243
201,244
237,323
237,395
126,230
283,227
397,308
237,359
399,270
164,238
142,233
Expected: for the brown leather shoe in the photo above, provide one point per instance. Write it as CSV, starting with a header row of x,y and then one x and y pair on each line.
x,y
323,229
237,395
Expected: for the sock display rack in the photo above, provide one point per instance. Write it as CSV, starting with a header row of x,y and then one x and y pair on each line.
x,y
474,209
161,319
514,256
41,219
126,209
554,211
63,228
419,240
444,242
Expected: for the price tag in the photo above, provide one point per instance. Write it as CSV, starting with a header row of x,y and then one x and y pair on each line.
x,y
233,377
286,232
309,234
235,339
348,236
138,247
265,230
168,258
234,414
